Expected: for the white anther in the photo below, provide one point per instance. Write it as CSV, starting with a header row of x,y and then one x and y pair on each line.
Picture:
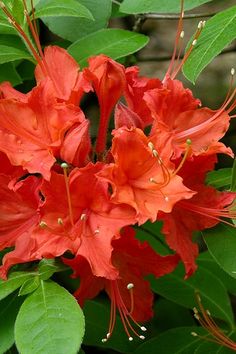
x,y
108,335
200,25
104,340
203,24
64,165
152,180
150,145
166,198
194,42
194,334
60,221
130,286
83,217
141,337
144,329
96,231
208,312
131,338
43,224
182,34
155,153
232,71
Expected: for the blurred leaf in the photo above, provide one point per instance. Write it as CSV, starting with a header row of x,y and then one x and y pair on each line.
x,y
219,178
175,341
47,267
221,243
29,286
52,312
220,31
160,6
72,8
212,290
9,308
14,281
73,29
233,177
18,11
115,43
9,73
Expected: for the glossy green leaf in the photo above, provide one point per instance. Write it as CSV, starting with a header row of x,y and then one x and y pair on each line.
x,y
14,281
5,26
47,267
9,73
49,321
233,178
73,28
212,290
221,243
72,8
115,43
219,178
9,308
29,286
12,48
160,6
219,32
175,341
206,260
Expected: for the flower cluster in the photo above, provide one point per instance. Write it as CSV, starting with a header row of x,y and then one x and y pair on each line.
x,y
64,192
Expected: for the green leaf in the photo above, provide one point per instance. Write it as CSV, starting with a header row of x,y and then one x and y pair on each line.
x,y
219,178
233,178
72,8
161,6
14,281
49,321
115,43
9,73
175,341
212,290
219,31
9,308
12,48
47,267
5,26
208,347
29,286
73,28
206,260
221,243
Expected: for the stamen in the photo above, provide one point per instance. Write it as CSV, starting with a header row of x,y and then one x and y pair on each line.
x,y
125,315
232,71
60,221
194,334
43,224
182,34
130,287
83,217
212,328
194,42
64,166
189,143
95,231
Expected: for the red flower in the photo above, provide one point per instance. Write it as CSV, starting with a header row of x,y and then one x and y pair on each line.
x,y
204,210
174,110
32,133
84,224
142,178
130,293
108,80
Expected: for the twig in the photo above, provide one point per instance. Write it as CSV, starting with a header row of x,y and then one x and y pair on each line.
x,y
167,58
176,16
